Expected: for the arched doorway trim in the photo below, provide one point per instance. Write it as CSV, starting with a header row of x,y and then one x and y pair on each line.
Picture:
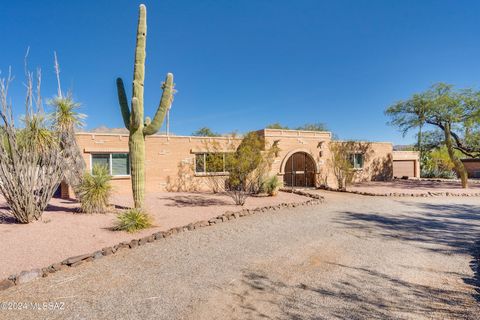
x,y
290,153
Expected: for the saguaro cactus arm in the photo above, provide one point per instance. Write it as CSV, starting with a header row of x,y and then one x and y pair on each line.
x,y
123,101
164,105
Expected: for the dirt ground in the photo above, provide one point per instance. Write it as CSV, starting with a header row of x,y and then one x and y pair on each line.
x,y
63,232
414,187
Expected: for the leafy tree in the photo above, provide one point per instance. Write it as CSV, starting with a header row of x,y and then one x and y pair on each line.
x,y
248,166
205,132
455,112
277,125
307,126
313,127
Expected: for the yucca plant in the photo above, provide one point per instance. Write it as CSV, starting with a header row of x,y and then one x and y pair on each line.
x,y
65,119
133,220
271,185
95,190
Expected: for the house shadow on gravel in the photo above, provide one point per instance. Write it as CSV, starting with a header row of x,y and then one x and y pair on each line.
x,y
455,228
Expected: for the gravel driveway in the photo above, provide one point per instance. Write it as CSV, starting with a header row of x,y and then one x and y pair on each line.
x,y
353,257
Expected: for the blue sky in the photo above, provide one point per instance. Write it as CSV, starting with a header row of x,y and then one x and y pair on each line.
x,y
240,65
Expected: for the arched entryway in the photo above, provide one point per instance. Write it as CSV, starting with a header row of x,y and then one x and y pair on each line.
x,y
299,171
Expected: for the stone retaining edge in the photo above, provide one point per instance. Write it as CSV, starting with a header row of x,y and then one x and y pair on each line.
x,y
29,275
406,194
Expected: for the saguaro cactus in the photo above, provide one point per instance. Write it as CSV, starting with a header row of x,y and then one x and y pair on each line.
x,y
133,118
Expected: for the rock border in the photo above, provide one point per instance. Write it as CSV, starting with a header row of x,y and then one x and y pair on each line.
x,y
71,262
470,180
427,194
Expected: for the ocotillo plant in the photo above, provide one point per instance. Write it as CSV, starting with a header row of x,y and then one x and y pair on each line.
x,y
133,119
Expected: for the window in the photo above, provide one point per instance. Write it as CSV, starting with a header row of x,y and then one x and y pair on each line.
x,y
117,163
356,159
210,163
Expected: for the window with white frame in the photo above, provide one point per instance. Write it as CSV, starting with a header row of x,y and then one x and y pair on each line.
x,y
357,159
210,163
117,163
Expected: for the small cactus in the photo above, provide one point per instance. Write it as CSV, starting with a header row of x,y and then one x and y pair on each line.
x,y
133,118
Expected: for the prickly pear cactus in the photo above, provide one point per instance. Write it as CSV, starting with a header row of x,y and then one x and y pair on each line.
x,y
134,118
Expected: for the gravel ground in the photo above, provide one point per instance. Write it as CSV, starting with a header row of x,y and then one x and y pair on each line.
x,y
64,232
414,186
354,257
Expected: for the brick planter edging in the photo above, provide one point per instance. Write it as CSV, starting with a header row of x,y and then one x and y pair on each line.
x,y
407,194
29,275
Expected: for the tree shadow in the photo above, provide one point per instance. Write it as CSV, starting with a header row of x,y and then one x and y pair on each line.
x,y
361,293
6,217
194,201
442,228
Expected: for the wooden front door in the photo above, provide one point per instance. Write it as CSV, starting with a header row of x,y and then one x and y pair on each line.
x,y
299,171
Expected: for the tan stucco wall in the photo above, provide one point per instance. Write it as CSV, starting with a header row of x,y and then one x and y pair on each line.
x,y
377,165
170,160
409,155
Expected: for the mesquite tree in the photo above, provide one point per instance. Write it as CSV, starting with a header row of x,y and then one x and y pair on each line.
x,y
133,118
31,161
455,112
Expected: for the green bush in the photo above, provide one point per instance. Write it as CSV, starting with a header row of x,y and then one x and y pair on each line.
x,y
133,220
95,190
271,185
438,173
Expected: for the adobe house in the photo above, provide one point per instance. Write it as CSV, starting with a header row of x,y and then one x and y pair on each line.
x,y
181,163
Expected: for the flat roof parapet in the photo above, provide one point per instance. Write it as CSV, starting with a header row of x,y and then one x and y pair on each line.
x,y
296,133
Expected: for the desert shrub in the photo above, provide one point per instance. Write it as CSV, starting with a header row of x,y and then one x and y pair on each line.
x,y
133,220
271,185
438,173
341,161
95,190
248,167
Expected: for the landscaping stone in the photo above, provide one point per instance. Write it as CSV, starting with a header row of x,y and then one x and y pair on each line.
x,y
146,239
159,235
27,276
76,259
6,283
133,243
98,254
56,267
107,251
